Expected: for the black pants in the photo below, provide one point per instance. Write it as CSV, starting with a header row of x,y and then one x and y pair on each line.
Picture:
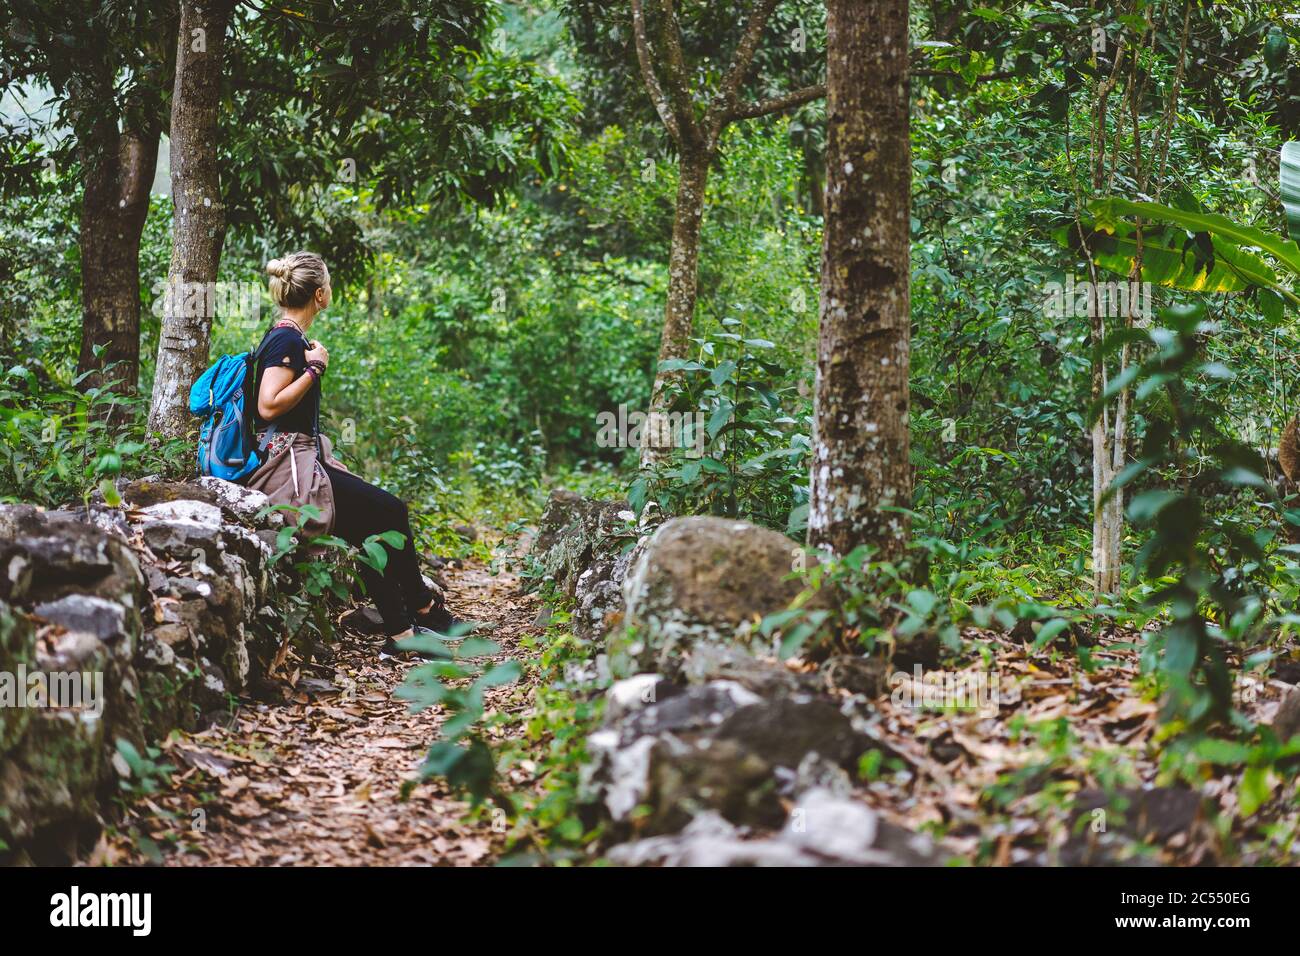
x,y
360,510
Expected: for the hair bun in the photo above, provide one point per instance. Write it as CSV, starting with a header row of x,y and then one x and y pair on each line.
x,y
278,268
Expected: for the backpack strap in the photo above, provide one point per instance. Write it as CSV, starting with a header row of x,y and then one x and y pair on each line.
x,y
250,384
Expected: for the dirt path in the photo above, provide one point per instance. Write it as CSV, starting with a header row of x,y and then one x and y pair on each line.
x,y
319,780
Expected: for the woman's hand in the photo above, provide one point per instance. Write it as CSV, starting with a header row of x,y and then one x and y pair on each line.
x,y
317,353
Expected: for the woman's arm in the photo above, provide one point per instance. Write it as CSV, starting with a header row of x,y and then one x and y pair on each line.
x,y
281,391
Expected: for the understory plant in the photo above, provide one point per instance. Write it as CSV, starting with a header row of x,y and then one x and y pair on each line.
x,y
742,447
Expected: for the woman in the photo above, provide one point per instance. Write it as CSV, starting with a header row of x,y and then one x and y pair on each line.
x,y
299,468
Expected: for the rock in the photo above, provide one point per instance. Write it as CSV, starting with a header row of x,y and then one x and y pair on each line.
x,y
686,777
823,829
108,621
696,708
245,503
144,492
17,653
813,772
238,503
315,687
574,531
47,555
208,596
1105,827
466,531
54,761
586,547
635,693
868,676
1286,722
707,841
783,730
718,747
766,677
50,786
701,580
364,620
598,591
616,775
840,830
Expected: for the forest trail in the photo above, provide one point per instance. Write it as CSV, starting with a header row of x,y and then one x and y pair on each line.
x,y
319,779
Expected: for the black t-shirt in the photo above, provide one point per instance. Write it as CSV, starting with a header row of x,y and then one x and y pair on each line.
x,y
286,348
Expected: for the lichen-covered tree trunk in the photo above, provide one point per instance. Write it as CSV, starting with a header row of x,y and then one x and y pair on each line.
x,y
860,434
118,170
199,229
683,284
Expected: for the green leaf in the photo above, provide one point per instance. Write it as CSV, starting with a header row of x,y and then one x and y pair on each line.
x,y
1146,505
477,647
1048,631
375,554
798,519
1227,753
1289,183
1170,258
1226,234
721,415
109,491
506,673
1256,787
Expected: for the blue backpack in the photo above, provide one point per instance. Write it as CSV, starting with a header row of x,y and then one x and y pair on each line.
x,y
224,395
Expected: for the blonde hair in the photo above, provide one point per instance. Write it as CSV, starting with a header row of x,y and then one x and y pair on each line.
x,y
295,278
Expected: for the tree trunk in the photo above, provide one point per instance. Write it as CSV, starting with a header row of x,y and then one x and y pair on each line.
x,y
683,283
860,431
200,221
118,170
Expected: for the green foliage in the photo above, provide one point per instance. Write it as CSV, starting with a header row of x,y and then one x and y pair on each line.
x,y
551,820
455,680
59,443
1211,566
324,567
146,774
742,436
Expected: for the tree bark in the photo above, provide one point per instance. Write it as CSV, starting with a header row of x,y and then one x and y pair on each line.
x,y
117,172
683,284
860,430
199,229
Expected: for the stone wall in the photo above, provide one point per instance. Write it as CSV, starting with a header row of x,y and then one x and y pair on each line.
x,y
165,603
712,752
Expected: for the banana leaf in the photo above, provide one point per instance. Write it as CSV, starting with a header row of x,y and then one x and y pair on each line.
x,y
1200,263
1285,251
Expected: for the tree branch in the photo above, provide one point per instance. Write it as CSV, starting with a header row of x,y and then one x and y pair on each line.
x,y
725,104
679,90
778,103
648,74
